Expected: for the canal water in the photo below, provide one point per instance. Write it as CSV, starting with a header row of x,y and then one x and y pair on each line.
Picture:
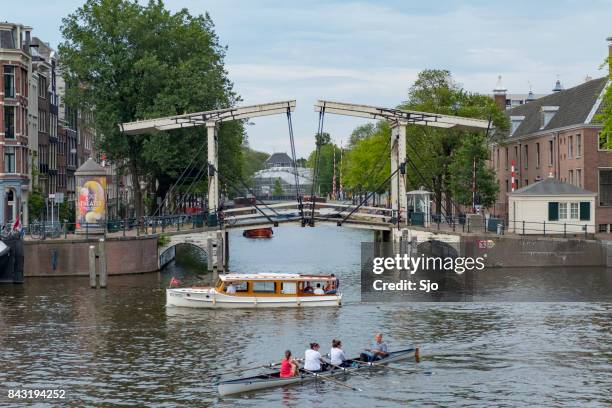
x,y
121,346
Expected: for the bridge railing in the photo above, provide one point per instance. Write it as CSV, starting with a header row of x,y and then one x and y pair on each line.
x,y
495,225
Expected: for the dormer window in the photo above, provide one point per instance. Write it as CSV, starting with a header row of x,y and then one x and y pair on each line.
x,y
547,113
516,122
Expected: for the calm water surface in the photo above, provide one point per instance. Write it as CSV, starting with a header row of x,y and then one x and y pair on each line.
x,y
120,346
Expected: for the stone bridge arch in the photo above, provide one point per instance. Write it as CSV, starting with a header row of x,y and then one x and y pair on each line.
x,y
436,248
210,242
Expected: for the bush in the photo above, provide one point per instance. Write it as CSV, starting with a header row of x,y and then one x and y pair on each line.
x,y
163,240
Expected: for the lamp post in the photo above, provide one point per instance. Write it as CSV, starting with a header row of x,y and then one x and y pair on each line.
x,y
143,186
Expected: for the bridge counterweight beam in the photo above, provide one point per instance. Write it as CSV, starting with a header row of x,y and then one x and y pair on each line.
x,y
213,166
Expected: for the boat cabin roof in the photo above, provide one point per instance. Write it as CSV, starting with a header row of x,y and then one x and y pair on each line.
x,y
275,277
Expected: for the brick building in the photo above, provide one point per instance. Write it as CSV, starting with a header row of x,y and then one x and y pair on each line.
x,y
14,89
557,134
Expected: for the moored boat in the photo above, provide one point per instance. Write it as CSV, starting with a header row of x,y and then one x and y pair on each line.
x,y
272,379
259,290
258,233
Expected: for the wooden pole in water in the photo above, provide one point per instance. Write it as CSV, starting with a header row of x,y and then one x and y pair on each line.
x,y
92,266
103,271
417,354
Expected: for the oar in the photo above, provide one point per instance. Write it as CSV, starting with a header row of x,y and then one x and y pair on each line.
x,y
328,378
391,367
269,365
345,369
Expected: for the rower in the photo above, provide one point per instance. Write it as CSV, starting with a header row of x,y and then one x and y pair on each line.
x,y
319,290
289,367
312,358
336,354
231,289
377,351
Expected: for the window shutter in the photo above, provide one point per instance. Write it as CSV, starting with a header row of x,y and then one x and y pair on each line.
x,y
553,211
585,211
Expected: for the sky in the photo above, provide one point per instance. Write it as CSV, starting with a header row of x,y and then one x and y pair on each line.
x,y
370,52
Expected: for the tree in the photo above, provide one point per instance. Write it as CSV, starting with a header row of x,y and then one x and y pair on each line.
x,y
326,167
360,133
36,205
366,165
253,161
278,188
126,61
432,149
472,147
323,139
605,116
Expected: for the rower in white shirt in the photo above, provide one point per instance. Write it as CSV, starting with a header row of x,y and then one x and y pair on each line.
x,y
312,358
319,290
337,354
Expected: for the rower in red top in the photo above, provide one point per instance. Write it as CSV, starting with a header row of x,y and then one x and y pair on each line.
x,y
289,367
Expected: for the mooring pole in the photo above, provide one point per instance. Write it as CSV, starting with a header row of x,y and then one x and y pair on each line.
x,y
102,254
92,266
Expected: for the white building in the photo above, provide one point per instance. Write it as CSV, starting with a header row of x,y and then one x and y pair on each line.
x,y
279,170
551,207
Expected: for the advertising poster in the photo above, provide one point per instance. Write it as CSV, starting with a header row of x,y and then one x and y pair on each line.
x,y
91,208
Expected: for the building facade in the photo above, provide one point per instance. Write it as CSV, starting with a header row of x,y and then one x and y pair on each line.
x,y
557,135
42,140
15,62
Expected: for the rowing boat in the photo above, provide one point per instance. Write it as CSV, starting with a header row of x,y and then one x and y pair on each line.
x,y
272,378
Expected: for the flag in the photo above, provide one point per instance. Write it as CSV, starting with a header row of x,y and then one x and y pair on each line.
x,y
16,224
341,187
334,176
174,282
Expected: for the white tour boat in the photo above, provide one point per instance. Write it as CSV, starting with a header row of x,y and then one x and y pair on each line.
x,y
236,290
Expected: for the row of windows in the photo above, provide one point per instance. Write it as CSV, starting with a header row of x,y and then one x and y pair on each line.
x,y
573,145
569,211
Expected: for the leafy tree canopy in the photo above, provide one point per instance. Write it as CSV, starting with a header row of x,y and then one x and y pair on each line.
x,y
367,164
606,110
326,167
126,61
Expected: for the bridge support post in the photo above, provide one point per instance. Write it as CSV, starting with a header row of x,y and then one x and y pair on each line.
x,y
213,167
399,201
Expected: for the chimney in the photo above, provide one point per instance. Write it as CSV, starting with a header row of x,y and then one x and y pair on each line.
x,y
499,94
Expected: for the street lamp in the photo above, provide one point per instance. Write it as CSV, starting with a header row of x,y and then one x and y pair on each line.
x,y
143,186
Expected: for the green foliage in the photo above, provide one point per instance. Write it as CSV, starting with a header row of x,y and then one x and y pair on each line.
x,y
471,147
278,188
36,205
360,133
605,116
163,240
323,139
367,164
326,167
432,149
67,212
253,161
302,162
127,61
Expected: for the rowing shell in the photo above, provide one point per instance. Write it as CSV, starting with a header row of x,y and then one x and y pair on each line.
x,y
272,379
